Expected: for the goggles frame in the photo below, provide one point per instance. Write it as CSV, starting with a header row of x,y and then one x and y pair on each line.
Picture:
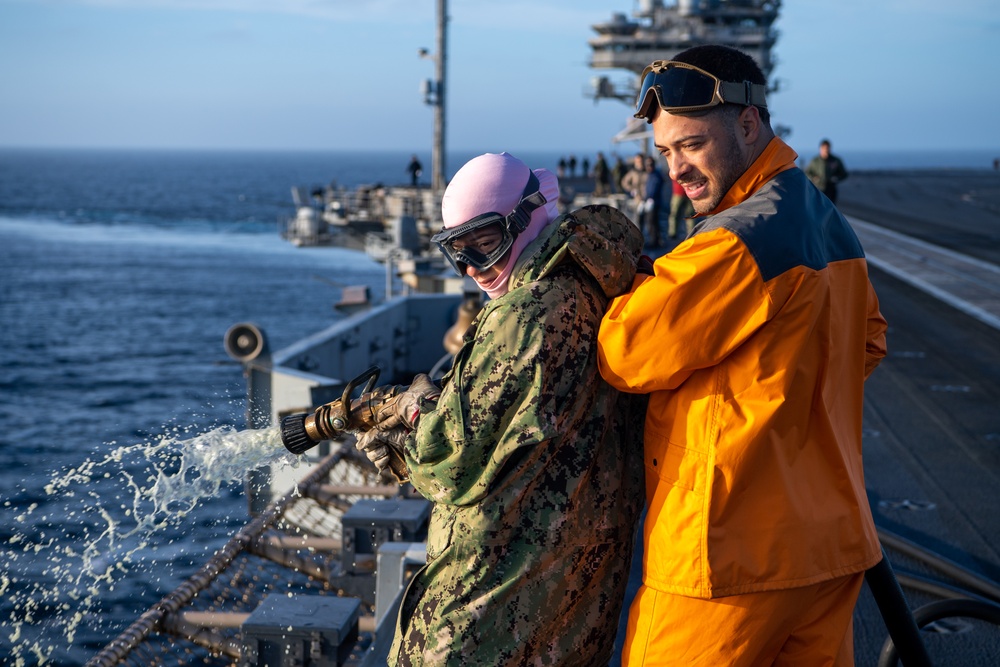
x,y
510,226
655,78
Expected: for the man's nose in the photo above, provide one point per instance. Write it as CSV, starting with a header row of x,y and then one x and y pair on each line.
x,y
678,166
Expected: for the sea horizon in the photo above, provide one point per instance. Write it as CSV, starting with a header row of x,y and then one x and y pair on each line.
x,y
858,159
251,190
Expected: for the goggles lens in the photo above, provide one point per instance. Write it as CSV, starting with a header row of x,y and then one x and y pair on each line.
x,y
484,240
679,88
479,243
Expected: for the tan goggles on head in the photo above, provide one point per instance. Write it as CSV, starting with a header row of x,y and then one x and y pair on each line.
x,y
682,88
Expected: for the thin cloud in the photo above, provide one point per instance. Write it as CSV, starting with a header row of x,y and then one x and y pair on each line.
x,y
386,11
537,17
955,9
555,16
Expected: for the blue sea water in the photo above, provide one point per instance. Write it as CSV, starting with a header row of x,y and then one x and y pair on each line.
x,y
120,271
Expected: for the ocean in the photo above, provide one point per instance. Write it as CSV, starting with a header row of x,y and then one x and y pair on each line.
x,y
120,272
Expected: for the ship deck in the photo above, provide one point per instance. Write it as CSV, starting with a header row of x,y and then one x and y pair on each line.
x,y
932,423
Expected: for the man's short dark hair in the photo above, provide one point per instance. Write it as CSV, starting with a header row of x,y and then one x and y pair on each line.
x,y
728,64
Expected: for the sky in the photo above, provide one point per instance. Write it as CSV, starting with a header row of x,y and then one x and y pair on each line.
x,y
346,75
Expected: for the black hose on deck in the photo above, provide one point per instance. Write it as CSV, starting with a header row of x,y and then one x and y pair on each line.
x,y
903,630
935,611
978,583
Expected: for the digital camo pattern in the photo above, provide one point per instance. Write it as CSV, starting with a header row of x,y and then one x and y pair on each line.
x,y
534,464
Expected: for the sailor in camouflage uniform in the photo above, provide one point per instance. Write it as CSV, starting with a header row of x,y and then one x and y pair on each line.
x,y
532,461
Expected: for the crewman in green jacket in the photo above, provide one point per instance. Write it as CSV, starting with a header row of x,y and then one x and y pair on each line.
x,y
826,170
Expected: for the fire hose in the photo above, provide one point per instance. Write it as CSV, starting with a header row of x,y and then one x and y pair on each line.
x,y
303,431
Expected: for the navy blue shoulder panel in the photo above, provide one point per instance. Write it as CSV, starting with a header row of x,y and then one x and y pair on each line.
x,y
805,230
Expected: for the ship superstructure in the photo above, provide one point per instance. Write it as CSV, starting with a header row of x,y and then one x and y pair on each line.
x,y
659,30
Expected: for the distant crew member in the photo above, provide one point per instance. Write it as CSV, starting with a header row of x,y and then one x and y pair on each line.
x,y
826,170
617,174
415,169
680,209
654,201
634,185
602,176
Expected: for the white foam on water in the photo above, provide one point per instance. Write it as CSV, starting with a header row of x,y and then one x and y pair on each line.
x,y
57,580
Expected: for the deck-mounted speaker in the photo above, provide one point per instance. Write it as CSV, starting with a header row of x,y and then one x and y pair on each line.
x,y
245,342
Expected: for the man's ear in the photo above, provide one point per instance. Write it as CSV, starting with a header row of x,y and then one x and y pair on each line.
x,y
750,124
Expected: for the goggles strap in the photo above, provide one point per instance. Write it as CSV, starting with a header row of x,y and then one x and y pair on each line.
x,y
746,93
520,217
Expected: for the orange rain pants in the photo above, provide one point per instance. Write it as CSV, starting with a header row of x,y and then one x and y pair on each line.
x,y
810,625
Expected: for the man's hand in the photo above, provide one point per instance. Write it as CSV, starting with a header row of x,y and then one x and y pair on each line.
x,y
385,450
404,408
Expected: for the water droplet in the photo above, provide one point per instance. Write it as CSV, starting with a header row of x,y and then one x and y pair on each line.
x,y
164,481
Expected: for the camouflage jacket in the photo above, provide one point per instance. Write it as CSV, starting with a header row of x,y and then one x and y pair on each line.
x,y
534,466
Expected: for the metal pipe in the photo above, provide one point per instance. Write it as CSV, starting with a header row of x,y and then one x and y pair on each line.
x,y
212,619
366,624
261,547
207,637
319,491
440,68
306,542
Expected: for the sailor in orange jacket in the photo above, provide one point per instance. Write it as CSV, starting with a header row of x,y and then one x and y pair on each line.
x,y
753,339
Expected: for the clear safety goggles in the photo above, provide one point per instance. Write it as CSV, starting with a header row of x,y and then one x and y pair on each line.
x,y
484,240
682,88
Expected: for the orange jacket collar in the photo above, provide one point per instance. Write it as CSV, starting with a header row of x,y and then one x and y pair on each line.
x,y
776,158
